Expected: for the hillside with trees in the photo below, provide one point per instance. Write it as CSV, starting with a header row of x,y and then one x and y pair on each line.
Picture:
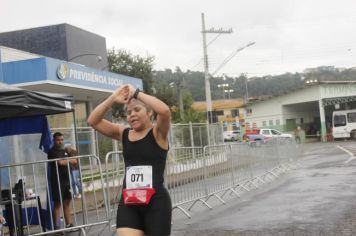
x,y
193,81
171,86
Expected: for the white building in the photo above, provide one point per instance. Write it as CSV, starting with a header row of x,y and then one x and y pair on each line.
x,y
310,107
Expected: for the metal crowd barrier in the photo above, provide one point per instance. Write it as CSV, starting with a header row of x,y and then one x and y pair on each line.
x,y
184,175
196,174
114,166
27,204
226,168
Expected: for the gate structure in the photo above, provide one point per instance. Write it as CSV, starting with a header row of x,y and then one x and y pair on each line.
x,y
28,203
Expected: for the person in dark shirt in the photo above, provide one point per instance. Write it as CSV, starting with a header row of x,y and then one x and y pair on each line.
x,y
145,147
60,183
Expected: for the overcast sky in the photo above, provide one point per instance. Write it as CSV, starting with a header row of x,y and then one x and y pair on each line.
x,y
290,35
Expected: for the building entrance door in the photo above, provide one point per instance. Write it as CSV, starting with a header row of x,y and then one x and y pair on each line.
x,y
291,124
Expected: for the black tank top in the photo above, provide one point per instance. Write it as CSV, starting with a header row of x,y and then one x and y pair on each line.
x,y
145,151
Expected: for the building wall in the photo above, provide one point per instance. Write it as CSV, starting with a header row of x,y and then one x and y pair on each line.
x,y
81,42
11,54
274,112
337,90
306,94
303,117
263,112
61,41
48,40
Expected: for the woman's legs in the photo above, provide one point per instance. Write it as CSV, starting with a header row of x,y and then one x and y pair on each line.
x,y
73,180
77,181
129,232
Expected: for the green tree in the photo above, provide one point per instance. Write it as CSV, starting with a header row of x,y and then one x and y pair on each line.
x,y
166,94
190,115
125,63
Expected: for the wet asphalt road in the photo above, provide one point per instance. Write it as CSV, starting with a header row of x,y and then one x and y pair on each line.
x,y
317,198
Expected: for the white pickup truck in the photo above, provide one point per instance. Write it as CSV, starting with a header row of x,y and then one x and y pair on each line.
x,y
272,133
265,134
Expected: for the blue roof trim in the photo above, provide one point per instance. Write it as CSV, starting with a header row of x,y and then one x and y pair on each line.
x,y
47,69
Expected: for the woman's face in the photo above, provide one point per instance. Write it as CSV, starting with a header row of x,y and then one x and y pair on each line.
x,y
137,115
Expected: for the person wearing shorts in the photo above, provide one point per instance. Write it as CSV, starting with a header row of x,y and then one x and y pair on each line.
x,y
145,147
60,183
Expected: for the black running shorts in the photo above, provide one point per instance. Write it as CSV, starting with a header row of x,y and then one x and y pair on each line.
x,y
154,219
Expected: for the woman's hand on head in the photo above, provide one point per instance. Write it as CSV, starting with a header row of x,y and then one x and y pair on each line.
x,y
132,90
122,94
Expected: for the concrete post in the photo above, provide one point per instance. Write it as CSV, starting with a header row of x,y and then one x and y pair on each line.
x,y
93,140
191,138
322,121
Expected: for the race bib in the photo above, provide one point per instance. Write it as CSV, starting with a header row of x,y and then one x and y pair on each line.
x,y
138,177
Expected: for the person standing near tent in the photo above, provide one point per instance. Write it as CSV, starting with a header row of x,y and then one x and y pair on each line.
x,y
74,173
60,182
2,221
145,147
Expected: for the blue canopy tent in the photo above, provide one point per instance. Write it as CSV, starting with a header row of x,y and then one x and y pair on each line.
x,y
23,113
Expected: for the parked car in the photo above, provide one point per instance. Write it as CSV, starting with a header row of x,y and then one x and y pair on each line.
x,y
231,135
273,133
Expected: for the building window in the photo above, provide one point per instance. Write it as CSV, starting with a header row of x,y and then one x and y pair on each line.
x,y
278,122
351,117
249,111
264,123
218,113
266,132
301,120
270,122
235,113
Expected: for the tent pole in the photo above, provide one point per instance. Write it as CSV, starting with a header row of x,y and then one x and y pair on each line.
x,y
75,132
78,153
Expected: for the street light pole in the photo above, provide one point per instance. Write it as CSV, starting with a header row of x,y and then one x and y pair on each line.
x,y
229,91
227,59
244,75
86,54
223,88
180,97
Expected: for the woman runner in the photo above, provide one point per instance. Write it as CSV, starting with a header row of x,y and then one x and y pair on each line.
x,y
145,148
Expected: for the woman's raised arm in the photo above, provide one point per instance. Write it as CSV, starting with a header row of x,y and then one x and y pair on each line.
x,y
96,117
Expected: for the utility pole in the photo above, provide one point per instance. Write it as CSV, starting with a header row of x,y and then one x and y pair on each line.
x,y
246,88
180,98
180,83
206,65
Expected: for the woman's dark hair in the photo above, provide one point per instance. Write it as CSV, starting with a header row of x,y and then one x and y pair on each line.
x,y
148,108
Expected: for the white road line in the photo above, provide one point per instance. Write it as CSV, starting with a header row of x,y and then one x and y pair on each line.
x,y
352,157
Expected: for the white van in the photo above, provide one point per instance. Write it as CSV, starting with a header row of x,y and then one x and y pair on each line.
x,y
344,124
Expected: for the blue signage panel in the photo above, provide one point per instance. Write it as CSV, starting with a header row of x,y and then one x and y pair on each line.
x,y
25,71
1,73
65,73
